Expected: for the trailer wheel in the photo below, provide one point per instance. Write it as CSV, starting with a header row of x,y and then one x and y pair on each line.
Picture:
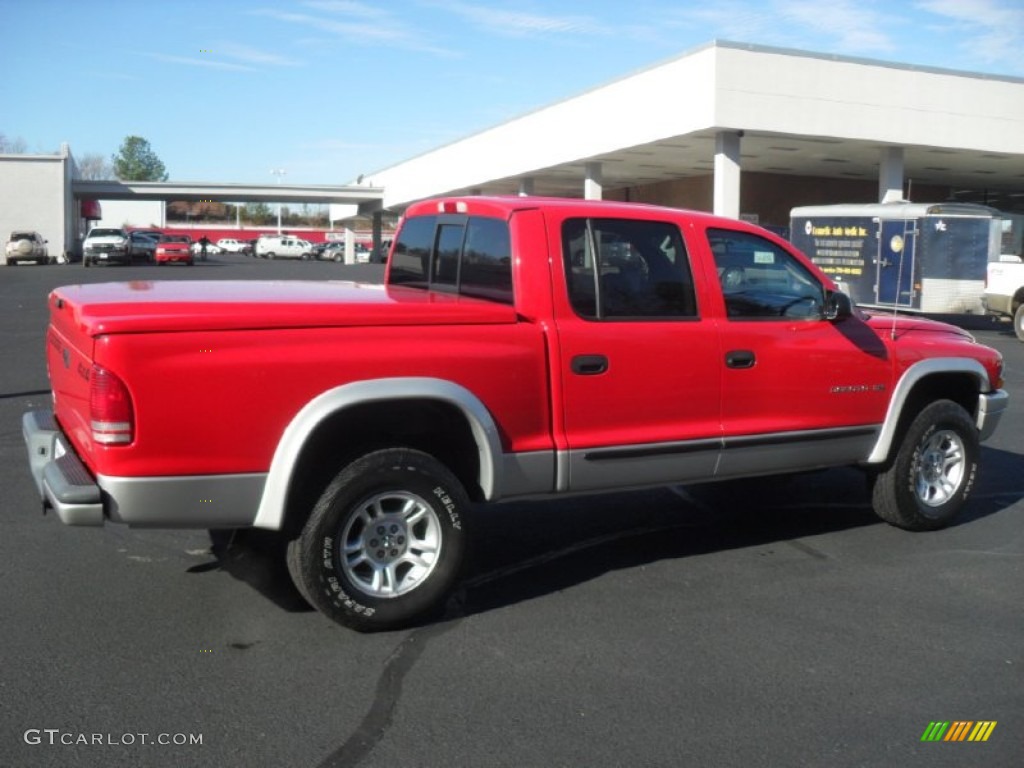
x,y
928,480
1018,322
384,544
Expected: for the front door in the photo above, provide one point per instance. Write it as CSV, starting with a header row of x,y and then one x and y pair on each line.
x,y
798,391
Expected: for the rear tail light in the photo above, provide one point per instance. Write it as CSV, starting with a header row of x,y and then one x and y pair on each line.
x,y
111,415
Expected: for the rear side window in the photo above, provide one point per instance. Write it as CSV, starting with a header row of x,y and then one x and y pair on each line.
x,y
627,269
470,255
410,261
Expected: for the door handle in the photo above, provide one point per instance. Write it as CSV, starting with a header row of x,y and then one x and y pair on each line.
x,y
740,358
589,365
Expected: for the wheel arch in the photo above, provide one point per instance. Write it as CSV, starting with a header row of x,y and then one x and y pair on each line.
x,y
957,379
1018,299
397,412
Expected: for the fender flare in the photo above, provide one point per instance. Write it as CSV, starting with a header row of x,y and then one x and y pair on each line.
x,y
485,433
911,377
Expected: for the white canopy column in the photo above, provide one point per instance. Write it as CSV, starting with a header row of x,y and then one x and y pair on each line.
x,y
890,174
727,173
592,184
526,186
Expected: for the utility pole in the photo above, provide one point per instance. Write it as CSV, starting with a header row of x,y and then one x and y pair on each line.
x,y
279,172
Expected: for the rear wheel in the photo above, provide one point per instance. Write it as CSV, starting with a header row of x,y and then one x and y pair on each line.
x,y
270,255
1018,322
384,544
930,477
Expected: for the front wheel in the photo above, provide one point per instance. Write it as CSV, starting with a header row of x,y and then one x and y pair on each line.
x,y
929,479
384,544
1018,322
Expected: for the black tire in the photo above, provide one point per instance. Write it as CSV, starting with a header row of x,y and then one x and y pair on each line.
x,y
927,482
85,262
270,255
390,578
338,257
1018,322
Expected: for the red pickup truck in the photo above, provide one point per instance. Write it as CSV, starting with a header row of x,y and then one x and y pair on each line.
x,y
520,347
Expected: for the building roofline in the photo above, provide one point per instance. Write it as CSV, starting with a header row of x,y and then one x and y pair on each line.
x,y
711,45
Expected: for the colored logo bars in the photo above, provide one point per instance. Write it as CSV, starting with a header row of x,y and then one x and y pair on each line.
x,y
959,730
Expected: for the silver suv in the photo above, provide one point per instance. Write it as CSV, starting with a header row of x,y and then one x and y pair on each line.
x,y
26,246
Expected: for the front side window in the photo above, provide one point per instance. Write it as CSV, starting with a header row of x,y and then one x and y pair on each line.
x,y
762,281
627,269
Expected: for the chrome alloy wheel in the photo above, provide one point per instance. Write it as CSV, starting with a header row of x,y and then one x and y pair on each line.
x,y
391,544
940,468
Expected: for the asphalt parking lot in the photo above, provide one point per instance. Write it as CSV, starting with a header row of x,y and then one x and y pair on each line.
x,y
768,624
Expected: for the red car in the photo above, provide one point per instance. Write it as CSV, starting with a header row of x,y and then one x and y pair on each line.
x,y
174,248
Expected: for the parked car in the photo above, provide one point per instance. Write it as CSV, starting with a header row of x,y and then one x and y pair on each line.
x,y
318,249
174,249
283,246
336,252
332,252
107,245
230,245
143,245
372,419
24,245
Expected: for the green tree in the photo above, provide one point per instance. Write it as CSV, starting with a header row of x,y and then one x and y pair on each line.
x,y
136,161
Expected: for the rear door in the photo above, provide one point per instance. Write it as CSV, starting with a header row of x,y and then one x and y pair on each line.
x,y
637,361
896,250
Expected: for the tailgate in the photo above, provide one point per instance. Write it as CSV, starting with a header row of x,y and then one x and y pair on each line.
x,y
69,351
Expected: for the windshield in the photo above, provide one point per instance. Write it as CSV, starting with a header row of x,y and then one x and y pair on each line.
x,y
106,233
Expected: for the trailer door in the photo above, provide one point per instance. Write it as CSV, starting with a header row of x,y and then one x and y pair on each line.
x,y
896,247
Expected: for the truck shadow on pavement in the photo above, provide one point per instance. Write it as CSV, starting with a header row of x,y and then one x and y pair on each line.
x,y
521,551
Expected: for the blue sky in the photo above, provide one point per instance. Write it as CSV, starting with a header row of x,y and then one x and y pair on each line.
x,y
226,90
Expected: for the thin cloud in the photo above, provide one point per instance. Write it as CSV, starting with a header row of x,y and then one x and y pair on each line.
x,y
381,29
843,26
853,26
520,24
991,31
250,55
349,8
207,63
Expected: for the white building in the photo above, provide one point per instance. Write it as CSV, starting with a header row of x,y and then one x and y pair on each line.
x,y
742,129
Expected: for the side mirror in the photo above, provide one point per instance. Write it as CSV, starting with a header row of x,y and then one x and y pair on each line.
x,y
837,305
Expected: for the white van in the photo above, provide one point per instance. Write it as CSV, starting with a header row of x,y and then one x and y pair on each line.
x,y
283,247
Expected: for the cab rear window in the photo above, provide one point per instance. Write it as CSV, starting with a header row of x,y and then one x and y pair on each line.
x,y
469,255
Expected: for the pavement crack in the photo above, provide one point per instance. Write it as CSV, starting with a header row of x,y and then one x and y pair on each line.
x,y
30,393
389,689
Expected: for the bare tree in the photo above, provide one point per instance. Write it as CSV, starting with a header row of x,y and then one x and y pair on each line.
x,y
12,146
94,166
